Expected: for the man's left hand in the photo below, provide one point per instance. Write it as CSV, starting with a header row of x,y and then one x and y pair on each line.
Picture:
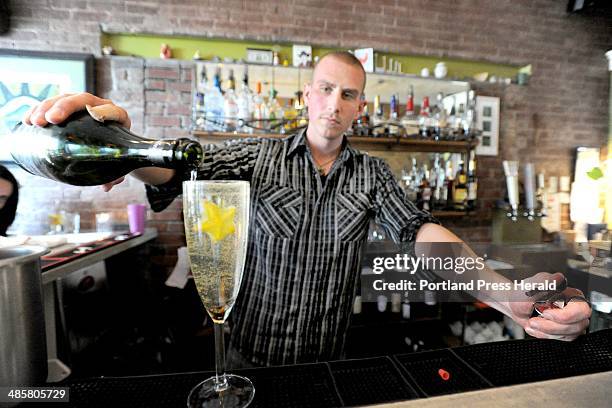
x,y
564,323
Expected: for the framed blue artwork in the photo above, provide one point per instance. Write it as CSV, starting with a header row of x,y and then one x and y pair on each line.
x,y
28,77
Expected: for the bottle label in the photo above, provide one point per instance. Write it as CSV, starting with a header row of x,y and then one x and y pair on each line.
x,y
460,195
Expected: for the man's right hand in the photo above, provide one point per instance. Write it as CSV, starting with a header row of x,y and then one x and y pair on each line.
x,y
57,109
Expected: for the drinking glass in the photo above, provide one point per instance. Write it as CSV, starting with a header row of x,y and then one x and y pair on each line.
x,y
216,225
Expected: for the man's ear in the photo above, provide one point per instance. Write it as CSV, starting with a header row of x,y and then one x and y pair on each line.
x,y
307,89
362,104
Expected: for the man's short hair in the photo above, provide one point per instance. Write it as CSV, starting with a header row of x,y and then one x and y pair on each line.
x,y
347,58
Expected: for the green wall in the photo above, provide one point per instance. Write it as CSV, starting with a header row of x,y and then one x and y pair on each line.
x,y
184,48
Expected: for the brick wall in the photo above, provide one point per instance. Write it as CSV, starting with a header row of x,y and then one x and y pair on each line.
x,y
564,106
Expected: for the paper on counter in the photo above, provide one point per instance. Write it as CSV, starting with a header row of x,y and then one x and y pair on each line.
x,y
181,272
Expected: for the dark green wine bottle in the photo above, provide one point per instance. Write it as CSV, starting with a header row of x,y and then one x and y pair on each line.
x,y
84,152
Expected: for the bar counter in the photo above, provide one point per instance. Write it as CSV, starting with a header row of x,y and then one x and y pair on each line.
x,y
380,380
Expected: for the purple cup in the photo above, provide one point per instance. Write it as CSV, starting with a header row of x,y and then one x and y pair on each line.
x,y
136,217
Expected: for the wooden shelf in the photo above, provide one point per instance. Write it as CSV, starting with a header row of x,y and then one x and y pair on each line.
x,y
449,214
364,143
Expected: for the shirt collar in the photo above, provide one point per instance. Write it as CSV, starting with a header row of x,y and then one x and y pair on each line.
x,y
297,143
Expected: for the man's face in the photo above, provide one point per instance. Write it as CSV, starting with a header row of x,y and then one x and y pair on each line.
x,y
333,98
6,189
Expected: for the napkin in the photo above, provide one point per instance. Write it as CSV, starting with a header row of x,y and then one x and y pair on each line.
x,y
181,272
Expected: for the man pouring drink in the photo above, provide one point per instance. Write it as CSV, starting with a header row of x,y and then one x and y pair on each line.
x,y
312,198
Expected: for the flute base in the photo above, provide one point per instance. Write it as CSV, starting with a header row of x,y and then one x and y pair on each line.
x,y
237,393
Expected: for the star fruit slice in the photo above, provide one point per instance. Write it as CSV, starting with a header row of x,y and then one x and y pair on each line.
x,y
219,222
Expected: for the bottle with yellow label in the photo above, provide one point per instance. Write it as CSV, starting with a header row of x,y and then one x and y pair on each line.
x,y
460,191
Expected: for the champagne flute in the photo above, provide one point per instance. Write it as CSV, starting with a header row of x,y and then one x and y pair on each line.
x,y
216,225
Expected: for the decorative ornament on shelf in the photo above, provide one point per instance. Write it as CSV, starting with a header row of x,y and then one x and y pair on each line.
x,y
108,50
481,76
440,70
165,52
276,57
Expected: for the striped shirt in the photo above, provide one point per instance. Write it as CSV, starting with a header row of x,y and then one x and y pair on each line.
x,y
305,241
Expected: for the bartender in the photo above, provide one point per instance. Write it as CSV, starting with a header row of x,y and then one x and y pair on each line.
x,y
313,197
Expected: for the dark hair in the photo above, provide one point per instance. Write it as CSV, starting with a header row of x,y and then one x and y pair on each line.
x,y
347,58
7,213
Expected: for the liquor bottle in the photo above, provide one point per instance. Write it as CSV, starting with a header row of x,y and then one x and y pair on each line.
x,y
412,186
452,119
441,192
302,119
245,105
433,180
406,306
425,195
275,112
469,121
410,120
425,119
439,118
472,182
363,123
230,104
458,124
460,191
290,115
449,184
542,196
84,152
259,110
393,122
214,105
198,110
378,121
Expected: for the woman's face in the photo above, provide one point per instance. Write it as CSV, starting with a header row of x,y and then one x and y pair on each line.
x,y
6,189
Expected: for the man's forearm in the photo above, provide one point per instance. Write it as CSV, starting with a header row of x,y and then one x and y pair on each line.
x,y
429,233
153,175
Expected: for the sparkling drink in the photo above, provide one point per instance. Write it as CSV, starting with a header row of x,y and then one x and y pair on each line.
x,y
216,227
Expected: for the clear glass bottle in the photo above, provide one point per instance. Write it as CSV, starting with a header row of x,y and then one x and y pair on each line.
x,y
214,105
230,104
440,118
260,113
199,111
245,106
275,113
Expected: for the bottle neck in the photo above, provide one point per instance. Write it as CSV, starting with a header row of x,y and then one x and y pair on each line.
x,y
174,153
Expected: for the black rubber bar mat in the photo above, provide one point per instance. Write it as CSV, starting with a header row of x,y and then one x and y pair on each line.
x,y
134,392
440,372
370,381
522,361
305,385
358,382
